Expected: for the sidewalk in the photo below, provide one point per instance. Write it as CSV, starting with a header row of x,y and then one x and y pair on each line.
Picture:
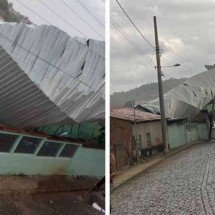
x,y
133,171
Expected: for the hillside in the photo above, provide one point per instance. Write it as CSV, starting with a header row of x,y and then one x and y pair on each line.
x,y
143,93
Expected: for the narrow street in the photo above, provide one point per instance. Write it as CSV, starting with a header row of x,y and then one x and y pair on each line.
x,y
182,184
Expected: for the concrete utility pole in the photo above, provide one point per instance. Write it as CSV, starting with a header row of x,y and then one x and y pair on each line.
x,y
160,87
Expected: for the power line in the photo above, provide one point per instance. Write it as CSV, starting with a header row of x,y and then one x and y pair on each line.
x,y
134,25
167,75
149,62
134,45
182,64
143,35
61,18
33,12
95,18
81,18
179,58
178,68
146,73
129,40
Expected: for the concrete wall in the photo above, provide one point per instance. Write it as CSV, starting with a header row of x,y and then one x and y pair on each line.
x,y
89,162
85,161
203,131
181,134
141,130
176,135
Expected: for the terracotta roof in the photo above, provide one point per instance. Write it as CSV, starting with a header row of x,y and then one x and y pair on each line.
x,y
128,114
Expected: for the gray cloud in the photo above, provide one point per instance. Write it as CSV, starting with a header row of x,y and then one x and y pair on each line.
x,y
97,7
186,32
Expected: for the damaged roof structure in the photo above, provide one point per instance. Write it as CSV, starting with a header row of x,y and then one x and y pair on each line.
x,y
189,98
129,114
48,77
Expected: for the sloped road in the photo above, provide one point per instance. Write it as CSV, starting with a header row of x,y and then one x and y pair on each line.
x,y
180,185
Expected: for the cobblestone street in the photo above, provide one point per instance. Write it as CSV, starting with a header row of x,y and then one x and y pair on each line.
x,y
182,184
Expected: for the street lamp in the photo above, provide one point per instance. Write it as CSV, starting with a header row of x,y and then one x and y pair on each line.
x,y
176,65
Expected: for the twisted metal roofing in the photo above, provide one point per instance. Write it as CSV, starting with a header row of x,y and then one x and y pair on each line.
x,y
48,77
189,98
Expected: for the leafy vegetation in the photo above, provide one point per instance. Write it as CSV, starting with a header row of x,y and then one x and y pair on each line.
x,y
8,14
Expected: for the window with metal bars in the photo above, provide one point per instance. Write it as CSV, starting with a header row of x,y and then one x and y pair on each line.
x,y
49,148
7,141
68,150
28,145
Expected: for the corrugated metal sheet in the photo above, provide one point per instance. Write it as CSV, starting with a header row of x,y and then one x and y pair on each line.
x,y
48,77
128,115
189,98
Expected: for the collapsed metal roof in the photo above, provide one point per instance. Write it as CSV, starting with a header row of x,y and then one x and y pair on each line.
x,y
47,77
189,98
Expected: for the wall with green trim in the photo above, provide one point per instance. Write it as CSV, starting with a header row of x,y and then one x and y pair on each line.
x,y
203,131
181,134
86,161
176,135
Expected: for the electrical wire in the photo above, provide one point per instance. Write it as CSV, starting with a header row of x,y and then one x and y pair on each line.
x,y
33,12
134,24
134,45
95,18
165,58
62,18
81,18
186,66
176,68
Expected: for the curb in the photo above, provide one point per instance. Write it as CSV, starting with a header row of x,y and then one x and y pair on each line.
x,y
165,156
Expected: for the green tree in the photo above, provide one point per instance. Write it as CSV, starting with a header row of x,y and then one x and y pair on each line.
x,y
4,5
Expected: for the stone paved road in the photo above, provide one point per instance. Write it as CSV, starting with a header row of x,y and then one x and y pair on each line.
x,y
180,185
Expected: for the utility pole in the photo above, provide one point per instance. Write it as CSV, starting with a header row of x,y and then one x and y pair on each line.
x,y
211,120
160,88
135,133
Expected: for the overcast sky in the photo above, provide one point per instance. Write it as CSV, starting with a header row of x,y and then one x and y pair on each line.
x,y
97,7
186,32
